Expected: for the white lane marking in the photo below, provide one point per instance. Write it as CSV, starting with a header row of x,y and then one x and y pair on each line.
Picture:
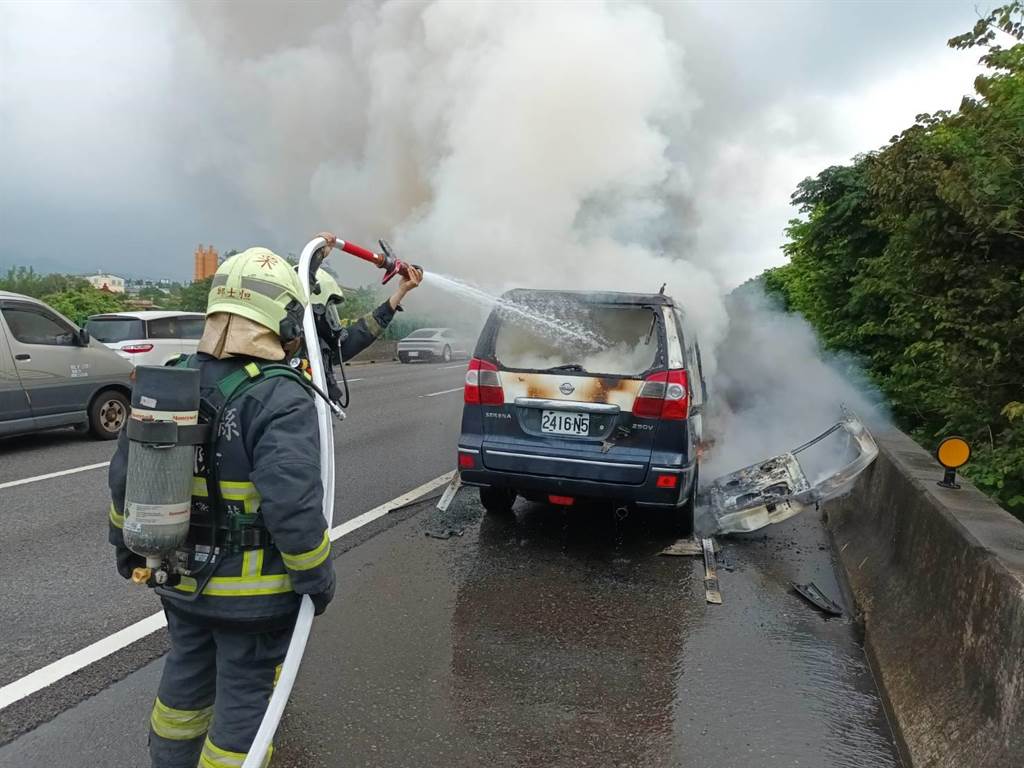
x,y
37,478
460,365
444,392
368,517
51,673
351,381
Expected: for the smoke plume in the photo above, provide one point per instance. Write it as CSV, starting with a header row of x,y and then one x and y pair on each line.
x,y
508,144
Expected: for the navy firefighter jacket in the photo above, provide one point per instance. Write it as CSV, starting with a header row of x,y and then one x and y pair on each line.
x,y
268,454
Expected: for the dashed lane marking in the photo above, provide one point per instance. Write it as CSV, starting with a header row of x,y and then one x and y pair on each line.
x,y
49,475
444,392
51,673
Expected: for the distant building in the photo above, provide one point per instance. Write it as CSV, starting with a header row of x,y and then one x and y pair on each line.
x,y
205,263
108,283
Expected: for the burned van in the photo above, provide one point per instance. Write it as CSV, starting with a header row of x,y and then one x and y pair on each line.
x,y
579,395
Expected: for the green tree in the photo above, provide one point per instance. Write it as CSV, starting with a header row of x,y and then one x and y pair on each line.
x,y
912,257
27,281
194,296
160,299
79,303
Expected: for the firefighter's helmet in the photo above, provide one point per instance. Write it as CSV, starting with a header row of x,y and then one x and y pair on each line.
x,y
261,286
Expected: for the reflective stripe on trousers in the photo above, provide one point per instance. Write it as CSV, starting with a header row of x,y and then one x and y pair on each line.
x,y
215,757
179,724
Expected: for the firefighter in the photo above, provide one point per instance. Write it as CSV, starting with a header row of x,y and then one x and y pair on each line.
x,y
263,513
339,342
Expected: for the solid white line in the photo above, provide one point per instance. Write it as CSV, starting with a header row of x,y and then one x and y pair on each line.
x,y
350,381
51,673
460,365
368,517
37,478
444,392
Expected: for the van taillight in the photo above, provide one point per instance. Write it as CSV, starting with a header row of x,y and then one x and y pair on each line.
x,y
483,384
134,349
663,396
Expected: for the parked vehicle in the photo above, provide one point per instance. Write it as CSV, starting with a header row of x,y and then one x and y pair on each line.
x,y
433,344
152,337
573,395
53,374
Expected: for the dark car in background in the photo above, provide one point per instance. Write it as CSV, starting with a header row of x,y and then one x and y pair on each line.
x,y
433,345
584,396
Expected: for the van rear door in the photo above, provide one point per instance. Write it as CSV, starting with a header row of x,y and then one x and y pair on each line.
x,y
569,386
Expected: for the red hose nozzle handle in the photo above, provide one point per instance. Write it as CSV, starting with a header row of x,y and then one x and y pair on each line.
x,y
385,260
392,264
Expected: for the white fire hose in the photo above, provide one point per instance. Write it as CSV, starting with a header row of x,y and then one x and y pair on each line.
x,y
290,668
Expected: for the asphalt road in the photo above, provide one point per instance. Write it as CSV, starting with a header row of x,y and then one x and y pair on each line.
x,y
541,639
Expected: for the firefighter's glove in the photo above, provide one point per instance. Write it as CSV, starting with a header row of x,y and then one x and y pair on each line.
x,y
321,599
128,561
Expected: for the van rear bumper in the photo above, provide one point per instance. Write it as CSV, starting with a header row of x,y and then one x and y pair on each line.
x,y
646,494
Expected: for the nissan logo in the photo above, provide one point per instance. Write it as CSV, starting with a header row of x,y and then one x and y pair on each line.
x,y
567,388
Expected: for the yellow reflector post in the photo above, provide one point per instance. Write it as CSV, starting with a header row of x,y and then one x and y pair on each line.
x,y
953,452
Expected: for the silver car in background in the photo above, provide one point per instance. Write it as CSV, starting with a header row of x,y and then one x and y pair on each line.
x,y
53,374
433,344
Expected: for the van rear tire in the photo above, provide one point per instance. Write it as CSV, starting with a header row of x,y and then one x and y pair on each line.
x,y
497,501
108,414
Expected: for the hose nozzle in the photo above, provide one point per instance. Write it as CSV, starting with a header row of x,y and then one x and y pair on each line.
x,y
385,260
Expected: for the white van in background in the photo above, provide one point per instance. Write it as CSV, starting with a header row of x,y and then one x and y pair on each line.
x,y
152,337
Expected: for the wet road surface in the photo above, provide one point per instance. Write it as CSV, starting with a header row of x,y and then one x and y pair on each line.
x,y
568,641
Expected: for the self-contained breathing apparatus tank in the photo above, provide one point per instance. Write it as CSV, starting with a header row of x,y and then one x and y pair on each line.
x,y
158,494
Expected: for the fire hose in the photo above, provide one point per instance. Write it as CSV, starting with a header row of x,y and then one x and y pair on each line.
x,y
309,261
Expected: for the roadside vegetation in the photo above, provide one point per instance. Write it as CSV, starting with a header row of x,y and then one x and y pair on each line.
x,y
912,259
72,296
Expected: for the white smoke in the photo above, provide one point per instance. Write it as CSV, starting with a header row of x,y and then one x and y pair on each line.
x,y
508,144
776,389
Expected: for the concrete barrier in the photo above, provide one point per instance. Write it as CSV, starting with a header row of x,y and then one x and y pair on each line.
x,y
938,576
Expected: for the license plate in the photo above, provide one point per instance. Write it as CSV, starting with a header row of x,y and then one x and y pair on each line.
x,y
413,354
563,423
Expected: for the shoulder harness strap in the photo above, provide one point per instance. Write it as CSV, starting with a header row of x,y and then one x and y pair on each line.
x,y
234,385
238,382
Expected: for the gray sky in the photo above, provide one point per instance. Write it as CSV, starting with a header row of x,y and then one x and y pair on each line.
x,y
130,132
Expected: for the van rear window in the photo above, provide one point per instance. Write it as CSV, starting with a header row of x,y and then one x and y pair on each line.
x,y
587,338
110,330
